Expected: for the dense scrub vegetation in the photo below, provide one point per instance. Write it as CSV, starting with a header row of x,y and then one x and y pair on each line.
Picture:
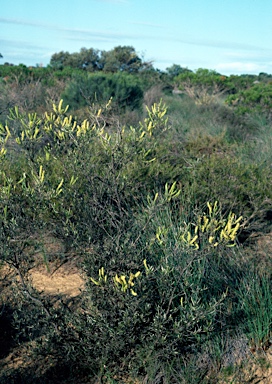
x,y
162,198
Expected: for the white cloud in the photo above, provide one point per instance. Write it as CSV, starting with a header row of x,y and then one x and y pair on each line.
x,y
247,55
214,43
98,34
241,67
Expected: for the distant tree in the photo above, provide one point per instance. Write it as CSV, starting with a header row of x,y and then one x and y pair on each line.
x,y
206,74
122,58
89,59
59,60
85,59
176,70
119,59
264,76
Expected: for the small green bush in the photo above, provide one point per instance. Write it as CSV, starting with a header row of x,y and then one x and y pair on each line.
x,y
85,90
257,98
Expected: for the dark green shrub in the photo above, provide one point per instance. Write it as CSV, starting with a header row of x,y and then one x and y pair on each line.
x,y
155,297
257,98
98,88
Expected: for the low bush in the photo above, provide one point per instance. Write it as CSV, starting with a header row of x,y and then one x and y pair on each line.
x,y
85,90
257,98
157,220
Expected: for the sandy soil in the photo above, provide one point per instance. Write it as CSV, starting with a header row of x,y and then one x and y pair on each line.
x,y
64,281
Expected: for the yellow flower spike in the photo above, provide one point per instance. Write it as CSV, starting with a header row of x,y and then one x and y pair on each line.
x,y
55,108
94,281
123,278
149,128
142,135
205,223
162,113
156,197
158,238
60,106
172,192
124,283
130,281
8,133
193,240
147,269
74,126
182,237
137,274
235,229
211,239
133,292
59,189
86,124
117,280
59,109
239,219
210,208
229,224
41,173
36,133
47,156
3,151
224,235
109,103
73,180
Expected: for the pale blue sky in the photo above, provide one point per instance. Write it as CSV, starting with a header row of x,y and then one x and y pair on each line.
x,y
230,36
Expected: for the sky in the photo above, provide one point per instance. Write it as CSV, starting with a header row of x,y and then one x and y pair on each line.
x,y
229,36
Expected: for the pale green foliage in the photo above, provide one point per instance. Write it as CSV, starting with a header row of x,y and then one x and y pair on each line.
x,y
156,119
255,295
210,229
